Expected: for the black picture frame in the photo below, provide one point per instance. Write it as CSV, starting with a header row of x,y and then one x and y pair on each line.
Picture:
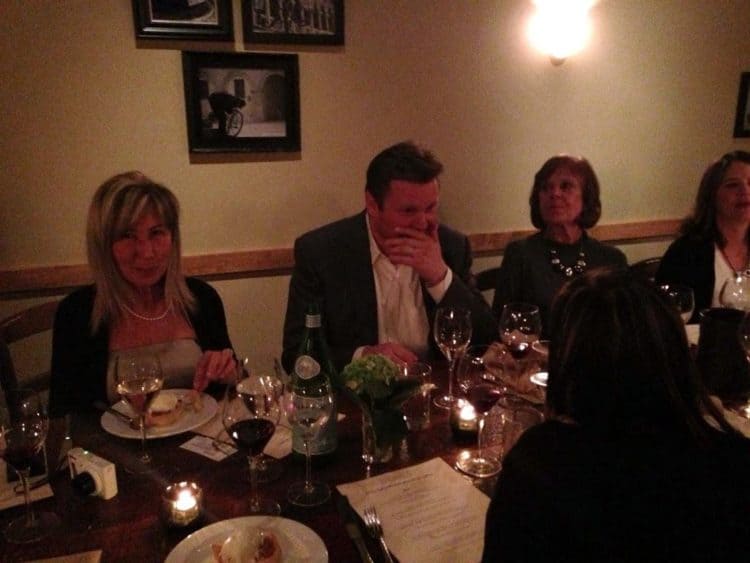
x,y
742,118
206,20
295,22
268,84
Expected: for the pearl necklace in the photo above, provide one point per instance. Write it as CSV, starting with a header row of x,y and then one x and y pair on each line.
x,y
145,318
569,271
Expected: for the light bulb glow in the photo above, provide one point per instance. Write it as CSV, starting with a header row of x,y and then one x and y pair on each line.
x,y
560,28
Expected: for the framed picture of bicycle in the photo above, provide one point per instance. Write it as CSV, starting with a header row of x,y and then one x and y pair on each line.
x,y
310,22
198,20
742,119
242,102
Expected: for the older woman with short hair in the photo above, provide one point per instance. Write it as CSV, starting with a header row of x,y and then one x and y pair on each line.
x,y
564,202
635,463
139,303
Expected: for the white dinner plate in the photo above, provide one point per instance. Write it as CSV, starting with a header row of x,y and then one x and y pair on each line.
x,y
540,378
298,542
187,421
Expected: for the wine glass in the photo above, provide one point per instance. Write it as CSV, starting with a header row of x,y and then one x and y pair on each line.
x,y
309,405
477,384
268,468
23,429
681,297
520,327
735,292
452,333
139,379
250,415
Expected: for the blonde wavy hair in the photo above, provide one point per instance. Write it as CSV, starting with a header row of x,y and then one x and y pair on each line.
x,y
117,204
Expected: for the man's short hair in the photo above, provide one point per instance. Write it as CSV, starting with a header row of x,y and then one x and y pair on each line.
x,y
402,161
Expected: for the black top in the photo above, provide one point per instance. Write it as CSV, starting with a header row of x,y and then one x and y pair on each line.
x,y
79,359
568,494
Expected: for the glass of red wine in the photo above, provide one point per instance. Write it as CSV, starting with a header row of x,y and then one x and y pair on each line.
x,y
23,429
520,327
250,414
482,391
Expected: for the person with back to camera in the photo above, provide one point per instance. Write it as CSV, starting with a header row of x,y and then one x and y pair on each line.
x,y
139,303
634,462
380,275
564,203
715,240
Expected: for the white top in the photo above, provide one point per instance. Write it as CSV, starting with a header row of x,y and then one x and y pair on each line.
x,y
722,272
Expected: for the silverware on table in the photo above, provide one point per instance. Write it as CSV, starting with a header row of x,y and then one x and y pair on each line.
x,y
121,415
352,527
372,521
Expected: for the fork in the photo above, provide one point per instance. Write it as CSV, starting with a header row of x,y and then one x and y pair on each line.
x,y
372,521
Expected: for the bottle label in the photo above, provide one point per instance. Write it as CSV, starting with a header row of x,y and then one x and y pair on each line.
x,y
312,321
306,367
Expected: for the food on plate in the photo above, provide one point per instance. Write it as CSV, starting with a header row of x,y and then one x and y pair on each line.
x,y
167,408
250,545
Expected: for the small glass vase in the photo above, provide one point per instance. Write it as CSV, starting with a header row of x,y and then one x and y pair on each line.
x,y
373,454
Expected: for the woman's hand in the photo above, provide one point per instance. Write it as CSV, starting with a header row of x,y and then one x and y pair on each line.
x,y
214,365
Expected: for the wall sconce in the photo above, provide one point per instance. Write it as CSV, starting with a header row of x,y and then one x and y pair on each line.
x,y
560,28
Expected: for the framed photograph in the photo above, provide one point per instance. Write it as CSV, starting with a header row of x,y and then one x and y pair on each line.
x,y
742,120
242,102
198,20
307,22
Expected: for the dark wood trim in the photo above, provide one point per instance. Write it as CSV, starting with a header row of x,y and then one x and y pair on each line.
x,y
51,280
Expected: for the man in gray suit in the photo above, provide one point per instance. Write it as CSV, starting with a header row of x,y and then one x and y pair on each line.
x,y
378,276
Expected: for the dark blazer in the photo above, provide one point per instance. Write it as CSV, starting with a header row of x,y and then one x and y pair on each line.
x,y
332,265
690,260
79,358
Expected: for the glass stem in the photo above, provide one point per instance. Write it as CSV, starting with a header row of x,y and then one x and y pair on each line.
x,y
144,453
30,516
452,373
308,469
480,435
254,500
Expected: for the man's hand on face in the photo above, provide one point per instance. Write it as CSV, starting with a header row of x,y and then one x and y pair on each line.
x,y
420,250
394,351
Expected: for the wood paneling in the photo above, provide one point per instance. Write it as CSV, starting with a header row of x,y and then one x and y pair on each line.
x,y
47,280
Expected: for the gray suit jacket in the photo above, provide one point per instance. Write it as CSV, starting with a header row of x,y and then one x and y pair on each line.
x,y
332,265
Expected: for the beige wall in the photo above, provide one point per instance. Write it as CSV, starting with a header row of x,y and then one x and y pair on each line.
x,y
650,102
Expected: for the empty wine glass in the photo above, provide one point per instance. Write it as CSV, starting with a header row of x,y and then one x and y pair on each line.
x,y
452,334
250,415
309,405
681,297
735,292
23,429
139,379
520,327
476,382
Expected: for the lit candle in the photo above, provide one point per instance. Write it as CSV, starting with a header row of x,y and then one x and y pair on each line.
x,y
463,420
181,503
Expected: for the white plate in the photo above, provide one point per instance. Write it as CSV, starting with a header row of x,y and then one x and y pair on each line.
x,y
540,378
187,421
298,542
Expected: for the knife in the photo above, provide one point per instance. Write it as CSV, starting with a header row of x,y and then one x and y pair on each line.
x,y
352,528
121,415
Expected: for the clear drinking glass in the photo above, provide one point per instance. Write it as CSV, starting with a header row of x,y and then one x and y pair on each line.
x,y
682,297
735,292
452,332
308,408
520,327
250,414
23,429
482,392
139,379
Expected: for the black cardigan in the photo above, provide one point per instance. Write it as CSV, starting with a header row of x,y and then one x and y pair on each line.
x,y
79,358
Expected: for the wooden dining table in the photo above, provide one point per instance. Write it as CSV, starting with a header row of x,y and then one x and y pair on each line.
x,y
129,527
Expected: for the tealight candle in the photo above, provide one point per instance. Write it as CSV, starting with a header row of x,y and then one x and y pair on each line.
x,y
182,503
464,420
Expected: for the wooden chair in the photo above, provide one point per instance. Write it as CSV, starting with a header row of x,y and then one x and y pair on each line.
x,y
19,326
646,269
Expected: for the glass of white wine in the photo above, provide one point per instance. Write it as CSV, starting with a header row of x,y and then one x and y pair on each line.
x,y
452,332
139,379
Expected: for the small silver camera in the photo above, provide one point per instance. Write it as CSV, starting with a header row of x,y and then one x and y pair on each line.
x,y
91,474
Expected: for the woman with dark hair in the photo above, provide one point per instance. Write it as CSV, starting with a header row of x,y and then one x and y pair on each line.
x,y
635,463
564,203
715,241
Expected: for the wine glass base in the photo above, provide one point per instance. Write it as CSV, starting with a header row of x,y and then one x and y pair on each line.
x,y
478,466
20,531
264,506
444,401
308,494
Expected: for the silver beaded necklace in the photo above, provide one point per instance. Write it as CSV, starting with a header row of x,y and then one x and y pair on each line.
x,y
568,271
